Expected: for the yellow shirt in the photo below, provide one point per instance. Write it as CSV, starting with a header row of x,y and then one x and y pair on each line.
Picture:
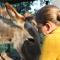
x,y
51,46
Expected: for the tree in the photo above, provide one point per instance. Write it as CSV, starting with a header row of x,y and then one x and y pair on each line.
x,y
46,2
22,7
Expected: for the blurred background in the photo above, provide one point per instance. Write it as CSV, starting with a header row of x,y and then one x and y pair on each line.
x,y
31,6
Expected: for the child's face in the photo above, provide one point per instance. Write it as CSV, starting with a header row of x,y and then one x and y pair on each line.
x,y
42,29
47,28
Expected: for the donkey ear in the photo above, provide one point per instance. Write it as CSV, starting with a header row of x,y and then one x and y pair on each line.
x,y
9,10
12,12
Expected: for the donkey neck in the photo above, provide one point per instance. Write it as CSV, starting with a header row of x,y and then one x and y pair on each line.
x,y
19,23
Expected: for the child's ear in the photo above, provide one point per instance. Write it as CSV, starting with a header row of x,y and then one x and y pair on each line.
x,y
12,12
49,27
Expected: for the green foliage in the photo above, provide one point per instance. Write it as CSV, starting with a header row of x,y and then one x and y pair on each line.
x,y
22,7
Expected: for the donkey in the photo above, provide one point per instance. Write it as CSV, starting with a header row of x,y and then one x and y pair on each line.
x,y
12,29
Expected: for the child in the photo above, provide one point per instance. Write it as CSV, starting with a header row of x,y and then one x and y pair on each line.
x,y
48,23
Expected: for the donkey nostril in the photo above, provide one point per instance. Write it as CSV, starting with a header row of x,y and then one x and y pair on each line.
x,y
30,39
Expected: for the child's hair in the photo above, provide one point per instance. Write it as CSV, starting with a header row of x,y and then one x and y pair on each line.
x,y
48,13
